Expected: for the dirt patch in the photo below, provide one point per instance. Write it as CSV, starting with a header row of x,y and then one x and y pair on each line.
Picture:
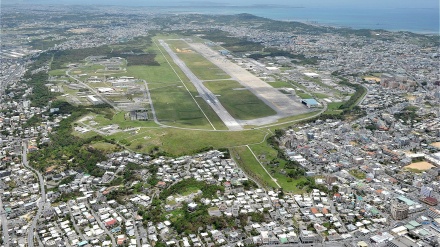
x,y
183,50
372,78
422,166
436,144
410,97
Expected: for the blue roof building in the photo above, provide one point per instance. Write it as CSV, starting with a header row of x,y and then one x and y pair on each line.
x,y
310,103
83,243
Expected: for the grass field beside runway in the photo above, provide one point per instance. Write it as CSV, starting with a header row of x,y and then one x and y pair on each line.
x,y
238,101
200,66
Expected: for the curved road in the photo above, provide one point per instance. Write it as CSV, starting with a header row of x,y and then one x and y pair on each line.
x,y
41,204
5,235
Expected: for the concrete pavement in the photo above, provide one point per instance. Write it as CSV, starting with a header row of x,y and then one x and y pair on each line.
x,y
204,92
102,225
41,204
5,231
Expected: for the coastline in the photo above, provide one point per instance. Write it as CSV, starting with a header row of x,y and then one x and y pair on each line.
x,y
422,21
392,20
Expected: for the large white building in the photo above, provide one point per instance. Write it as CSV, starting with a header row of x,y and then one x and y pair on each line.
x,y
399,210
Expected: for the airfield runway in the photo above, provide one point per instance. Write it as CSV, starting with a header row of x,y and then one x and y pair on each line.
x,y
204,92
278,101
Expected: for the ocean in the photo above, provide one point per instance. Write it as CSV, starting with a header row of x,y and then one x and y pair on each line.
x,y
417,20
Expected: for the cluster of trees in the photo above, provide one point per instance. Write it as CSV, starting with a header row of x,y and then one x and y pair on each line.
x,y
274,143
118,195
208,190
250,173
233,44
191,222
63,57
297,58
310,184
41,95
225,151
152,214
33,121
67,149
360,91
64,197
67,180
249,184
139,59
408,113
295,170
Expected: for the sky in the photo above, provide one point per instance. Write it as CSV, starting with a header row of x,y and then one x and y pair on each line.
x,y
304,3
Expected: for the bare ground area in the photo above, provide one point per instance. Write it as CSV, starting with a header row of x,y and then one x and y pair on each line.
x,y
422,166
436,144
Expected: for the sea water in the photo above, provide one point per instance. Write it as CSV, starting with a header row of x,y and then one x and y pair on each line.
x,y
418,20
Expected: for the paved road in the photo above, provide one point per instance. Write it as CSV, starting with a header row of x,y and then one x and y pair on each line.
x,y
136,232
12,77
93,91
5,233
41,204
102,225
204,92
148,98
271,96
75,225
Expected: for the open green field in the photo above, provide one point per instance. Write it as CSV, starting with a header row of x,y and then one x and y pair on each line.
x,y
173,103
304,95
175,98
333,108
118,118
200,66
104,147
92,68
358,173
172,94
190,120
184,141
280,84
57,72
238,101
320,95
267,154
318,81
245,159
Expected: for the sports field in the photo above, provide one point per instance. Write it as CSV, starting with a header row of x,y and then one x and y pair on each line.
x,y
421,166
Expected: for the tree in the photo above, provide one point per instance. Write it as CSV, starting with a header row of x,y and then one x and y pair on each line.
x,y
335,189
